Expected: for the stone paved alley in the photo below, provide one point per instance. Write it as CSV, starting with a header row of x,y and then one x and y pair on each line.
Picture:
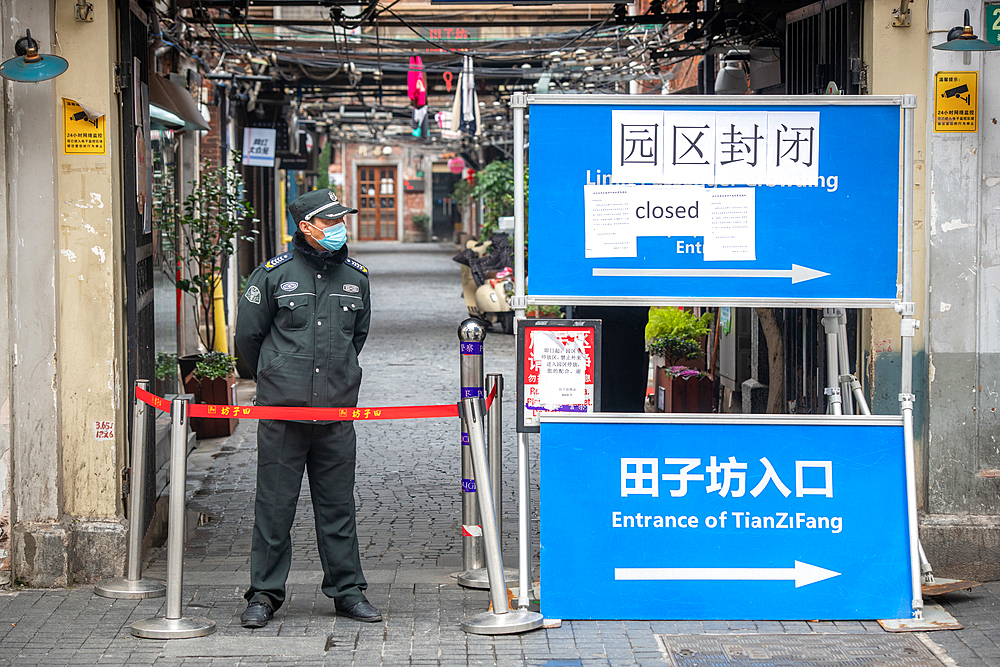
x,y
408,497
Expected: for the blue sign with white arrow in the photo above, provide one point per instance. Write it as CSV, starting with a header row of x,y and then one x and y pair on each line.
x,y
724,518
759,202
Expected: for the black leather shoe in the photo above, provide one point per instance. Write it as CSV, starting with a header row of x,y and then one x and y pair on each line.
x,y
256,615
362,611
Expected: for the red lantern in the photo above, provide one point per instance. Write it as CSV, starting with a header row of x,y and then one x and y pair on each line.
x,y
456,165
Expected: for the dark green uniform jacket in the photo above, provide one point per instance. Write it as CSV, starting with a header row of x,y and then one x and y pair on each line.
x,y
301,323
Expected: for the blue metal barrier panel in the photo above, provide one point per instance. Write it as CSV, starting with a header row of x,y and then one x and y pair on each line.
x,y
724,519
734,202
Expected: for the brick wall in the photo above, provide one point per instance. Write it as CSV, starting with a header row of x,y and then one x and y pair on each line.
x,y
211,141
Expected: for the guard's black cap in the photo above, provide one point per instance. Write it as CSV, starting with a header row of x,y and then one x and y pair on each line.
x,y
318,204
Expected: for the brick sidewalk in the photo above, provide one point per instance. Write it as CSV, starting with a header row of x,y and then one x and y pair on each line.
x,y
408,519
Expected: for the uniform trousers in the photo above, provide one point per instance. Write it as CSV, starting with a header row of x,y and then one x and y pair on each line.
x,y
327,451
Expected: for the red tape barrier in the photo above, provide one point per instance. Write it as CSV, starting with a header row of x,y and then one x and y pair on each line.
x,y
318,414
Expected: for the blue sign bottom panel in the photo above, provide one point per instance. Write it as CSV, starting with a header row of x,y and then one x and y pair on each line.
x,y
720,519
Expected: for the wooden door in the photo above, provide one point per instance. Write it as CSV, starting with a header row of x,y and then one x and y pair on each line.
x,y
376,203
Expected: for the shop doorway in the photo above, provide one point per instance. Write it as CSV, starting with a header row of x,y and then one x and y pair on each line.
x,y
446,214
376,203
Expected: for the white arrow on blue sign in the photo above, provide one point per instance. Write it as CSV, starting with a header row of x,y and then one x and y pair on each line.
x,y
798,274
802,574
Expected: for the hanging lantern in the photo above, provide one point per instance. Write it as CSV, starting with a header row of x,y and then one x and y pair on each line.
x,y
456,165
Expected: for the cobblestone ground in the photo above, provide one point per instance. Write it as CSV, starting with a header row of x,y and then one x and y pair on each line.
x,y
408,494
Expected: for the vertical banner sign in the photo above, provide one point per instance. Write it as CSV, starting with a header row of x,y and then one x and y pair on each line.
x,y
956,102
558,369
682,201
724,519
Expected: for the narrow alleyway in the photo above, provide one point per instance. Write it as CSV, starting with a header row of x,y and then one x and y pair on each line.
x,y
408,493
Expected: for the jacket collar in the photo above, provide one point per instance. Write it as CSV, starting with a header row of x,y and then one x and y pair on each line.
x,y
321,259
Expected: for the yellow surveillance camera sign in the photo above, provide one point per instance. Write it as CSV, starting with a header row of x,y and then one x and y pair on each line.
x,y
82,133
956,102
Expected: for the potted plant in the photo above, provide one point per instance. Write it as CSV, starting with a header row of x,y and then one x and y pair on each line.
x,y
209,223
214,382
675,335
421,222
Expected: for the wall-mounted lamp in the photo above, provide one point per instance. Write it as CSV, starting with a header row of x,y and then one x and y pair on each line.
x,y
30,67
962,39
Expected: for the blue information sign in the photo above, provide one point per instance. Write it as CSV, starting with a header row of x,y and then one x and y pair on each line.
x,y
755,202
724,519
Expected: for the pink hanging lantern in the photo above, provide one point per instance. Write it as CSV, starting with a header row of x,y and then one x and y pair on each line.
x,y
456,165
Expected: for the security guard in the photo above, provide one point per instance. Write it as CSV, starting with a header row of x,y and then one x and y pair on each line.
x,y
302,322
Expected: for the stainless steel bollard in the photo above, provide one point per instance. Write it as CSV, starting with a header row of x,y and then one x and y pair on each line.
x,y
501,620
471,334
175,626
494,444
133,586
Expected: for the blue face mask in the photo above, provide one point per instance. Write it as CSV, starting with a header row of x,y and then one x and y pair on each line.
x,y
334,237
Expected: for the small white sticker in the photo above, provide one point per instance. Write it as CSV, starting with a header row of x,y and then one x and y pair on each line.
x,y
351,288
104,430
288,287
253,294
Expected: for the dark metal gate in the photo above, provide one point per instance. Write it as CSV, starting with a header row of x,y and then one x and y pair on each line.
x,y
138,246
823,44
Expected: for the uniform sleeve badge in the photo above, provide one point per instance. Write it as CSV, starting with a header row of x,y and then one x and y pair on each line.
x,y
356,265
253,294
275,262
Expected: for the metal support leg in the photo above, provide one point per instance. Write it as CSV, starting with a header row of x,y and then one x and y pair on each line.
x,y
133,586
832,389
501,620
844,360
175,626
523,521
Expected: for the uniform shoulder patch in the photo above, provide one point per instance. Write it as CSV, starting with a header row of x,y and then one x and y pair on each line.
x,y
275,262
356,265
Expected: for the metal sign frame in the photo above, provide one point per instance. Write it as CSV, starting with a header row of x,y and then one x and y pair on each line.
x,y
720,516
904,306
787,221
524,328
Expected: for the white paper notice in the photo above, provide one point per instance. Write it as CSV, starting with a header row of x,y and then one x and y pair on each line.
x,y
690,148
562,368
608,221
637,146
732,231
794,148
741,148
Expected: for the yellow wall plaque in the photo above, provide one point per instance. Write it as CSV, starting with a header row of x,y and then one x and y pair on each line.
x,y
81,135
956,102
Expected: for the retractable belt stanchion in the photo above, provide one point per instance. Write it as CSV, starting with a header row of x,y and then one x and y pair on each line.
x,y
471,334
501,620
174,626
494,446
133,586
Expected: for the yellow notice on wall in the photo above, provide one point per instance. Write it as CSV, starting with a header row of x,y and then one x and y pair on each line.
x,y
83,130
956,102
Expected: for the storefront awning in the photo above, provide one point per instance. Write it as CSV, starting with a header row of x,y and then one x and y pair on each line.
x,y
173,106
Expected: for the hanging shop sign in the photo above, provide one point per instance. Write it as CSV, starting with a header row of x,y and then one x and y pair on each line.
x,y
558,369
259,144
956,102
724,518
84,130
745,201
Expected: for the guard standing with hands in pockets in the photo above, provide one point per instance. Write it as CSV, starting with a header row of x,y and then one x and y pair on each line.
x,y
302,322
